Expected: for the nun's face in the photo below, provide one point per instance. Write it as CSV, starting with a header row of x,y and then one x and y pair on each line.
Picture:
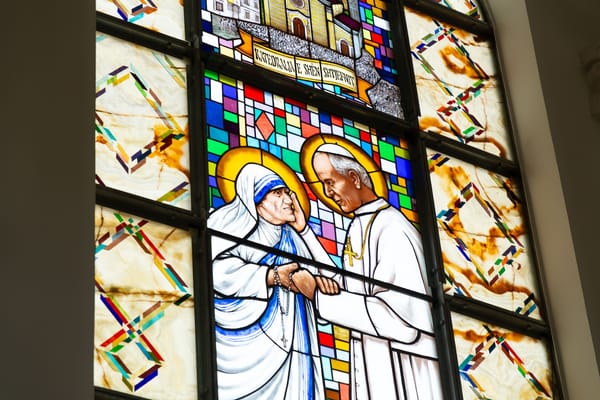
x,y
276,207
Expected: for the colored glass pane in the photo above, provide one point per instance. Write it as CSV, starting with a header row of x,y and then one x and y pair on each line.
x,y
141,122
340,47
468,7
459,93
144,339
496,363
164,16
253,311
484,239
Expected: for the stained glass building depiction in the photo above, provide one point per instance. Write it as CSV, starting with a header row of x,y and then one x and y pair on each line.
x,y
310,199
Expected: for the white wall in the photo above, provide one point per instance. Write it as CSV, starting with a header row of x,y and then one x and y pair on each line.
x,y
557,139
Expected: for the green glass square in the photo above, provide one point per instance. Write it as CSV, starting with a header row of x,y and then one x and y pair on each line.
x,y
405,201
386,151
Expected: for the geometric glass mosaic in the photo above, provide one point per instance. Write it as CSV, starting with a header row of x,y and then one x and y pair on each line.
x,y
246,125
141,122
341,47
495,363
468,7
460,96
164,16
485,245
144,336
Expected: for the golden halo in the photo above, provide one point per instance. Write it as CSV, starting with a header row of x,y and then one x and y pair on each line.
x,y
232,161
308,150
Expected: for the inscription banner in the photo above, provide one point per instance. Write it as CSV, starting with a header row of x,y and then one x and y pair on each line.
x,y
303,68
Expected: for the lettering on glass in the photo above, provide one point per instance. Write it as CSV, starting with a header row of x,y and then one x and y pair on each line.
x,y
340,47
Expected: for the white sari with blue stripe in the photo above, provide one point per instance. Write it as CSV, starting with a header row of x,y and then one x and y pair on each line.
x,y
261,354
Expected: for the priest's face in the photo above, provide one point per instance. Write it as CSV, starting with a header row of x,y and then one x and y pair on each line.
x,y
276,207
340,188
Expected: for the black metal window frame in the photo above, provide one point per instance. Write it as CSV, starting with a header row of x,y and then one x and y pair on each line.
x,y
194,220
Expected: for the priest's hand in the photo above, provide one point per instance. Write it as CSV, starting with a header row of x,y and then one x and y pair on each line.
x,y
327,285
281,275
300,220
304,283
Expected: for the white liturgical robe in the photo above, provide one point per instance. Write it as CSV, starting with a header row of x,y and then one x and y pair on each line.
x,y
393,352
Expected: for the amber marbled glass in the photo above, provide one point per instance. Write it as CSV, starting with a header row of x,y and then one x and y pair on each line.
x,y
457,83
144,335
484,239
468,7
496,363
141,122
164,16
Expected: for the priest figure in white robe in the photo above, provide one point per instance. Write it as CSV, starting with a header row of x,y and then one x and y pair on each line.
x,y
266,335
393,353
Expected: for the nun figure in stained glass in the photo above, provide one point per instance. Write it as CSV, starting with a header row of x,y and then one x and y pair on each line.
x,y
392,348
266,334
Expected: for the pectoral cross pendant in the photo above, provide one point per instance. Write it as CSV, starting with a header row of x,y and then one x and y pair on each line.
x,y
348,251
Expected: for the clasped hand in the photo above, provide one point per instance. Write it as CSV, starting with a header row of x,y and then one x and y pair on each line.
x,y
301,281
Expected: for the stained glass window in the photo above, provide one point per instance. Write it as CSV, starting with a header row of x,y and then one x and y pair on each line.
x,y
164,16
342,47
457,81
144,307
496,363
272,141
141,122
310,199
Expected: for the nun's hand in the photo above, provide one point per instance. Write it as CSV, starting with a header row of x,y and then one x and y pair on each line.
x,y
300,220
303,282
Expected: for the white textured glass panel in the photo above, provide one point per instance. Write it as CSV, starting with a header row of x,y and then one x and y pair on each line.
x,y
141,122
164,16
144,341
